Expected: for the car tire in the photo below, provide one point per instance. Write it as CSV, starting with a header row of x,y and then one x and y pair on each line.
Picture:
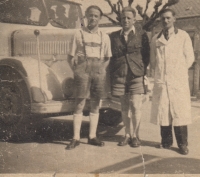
x,y
110,117
14,106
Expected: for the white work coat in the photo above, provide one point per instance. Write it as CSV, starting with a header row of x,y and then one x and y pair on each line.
x,y
171,94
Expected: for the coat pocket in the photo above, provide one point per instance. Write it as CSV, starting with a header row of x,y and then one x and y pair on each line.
x,y
137,48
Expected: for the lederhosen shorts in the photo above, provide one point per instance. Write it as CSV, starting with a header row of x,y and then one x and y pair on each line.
x,y
90,75
90,79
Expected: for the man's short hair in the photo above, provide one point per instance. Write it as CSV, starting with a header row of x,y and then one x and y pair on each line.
x,y
167,10
129,9
94,7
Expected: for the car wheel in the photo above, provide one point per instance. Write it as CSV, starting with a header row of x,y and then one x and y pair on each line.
x,y
110,117
14,106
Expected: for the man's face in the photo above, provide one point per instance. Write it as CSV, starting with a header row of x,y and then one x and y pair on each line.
x,y
127,20
167,20
93,16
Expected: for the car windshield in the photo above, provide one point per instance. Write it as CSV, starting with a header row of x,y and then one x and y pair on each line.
x,y
64,14
32,12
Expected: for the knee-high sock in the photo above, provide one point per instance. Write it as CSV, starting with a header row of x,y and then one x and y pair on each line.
x,y
136,118
94,119
126,122
77,125
136,106
125,108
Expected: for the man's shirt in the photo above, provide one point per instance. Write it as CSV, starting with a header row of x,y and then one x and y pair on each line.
x,y
91,44
171,32
125,34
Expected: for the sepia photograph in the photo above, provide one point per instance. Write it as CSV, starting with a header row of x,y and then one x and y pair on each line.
x,y
100,88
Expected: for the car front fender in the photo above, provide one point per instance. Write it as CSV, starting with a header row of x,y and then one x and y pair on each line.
x,y
50,87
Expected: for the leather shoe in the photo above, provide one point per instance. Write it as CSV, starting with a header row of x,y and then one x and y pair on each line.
x,y
95,141
183,150
125,141
165,146
73,144
135,142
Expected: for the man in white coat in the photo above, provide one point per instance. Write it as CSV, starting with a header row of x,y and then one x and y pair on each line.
x,y
171,56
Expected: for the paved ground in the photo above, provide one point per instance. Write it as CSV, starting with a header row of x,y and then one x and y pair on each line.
x,y
45,153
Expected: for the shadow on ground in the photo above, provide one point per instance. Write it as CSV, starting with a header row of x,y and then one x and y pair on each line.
x,y
51,130
58,131
154,165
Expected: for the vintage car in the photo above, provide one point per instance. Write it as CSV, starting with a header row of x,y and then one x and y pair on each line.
x,y
35,76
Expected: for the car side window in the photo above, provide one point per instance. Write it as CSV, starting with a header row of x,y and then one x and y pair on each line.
x,y
29,12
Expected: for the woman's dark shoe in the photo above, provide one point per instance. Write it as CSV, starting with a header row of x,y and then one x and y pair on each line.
x,y
135,142
126,141
95,141
183,150
73,144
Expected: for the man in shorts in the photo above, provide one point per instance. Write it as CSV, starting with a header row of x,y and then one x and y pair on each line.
x,y
130,50
92,49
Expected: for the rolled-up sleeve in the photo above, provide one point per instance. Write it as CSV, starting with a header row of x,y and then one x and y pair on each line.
x,y
107,47
74,44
